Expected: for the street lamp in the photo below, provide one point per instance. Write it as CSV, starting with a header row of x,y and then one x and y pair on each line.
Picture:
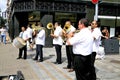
x,y
0,12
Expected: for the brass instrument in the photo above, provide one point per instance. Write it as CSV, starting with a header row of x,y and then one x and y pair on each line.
x,y
37,29
51,27
76,31
66,28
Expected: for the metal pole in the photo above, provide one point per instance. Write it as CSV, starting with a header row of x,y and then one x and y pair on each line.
x,y
96,12
0,17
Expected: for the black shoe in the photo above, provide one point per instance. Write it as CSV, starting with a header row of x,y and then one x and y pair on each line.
x,y
59,62
24,58
40,60
19,58
35,59
66,68
55,62
71,70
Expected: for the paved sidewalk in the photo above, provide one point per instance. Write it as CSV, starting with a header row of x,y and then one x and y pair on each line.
x,y
107,69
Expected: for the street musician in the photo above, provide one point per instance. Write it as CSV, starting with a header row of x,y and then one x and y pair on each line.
x,y
57,41
67,30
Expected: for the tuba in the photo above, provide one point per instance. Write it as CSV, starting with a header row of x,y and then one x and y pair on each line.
x,y
51,27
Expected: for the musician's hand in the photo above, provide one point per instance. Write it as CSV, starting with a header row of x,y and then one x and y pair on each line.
x,y
63,31
25,40
68,42
52,35
70,35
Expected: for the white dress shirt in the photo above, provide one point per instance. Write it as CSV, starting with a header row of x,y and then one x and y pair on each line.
x,y
40,38
58,33
24,35
30,31
97,37
82,42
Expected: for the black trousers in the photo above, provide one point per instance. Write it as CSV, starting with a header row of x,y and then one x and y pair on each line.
x,y
82,67
39,52
58,53
93,73
70,56
21,51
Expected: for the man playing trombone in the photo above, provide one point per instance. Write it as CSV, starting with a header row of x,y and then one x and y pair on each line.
x,y
40,42
68,29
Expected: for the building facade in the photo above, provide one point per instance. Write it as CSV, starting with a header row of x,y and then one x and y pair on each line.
x,y
24,12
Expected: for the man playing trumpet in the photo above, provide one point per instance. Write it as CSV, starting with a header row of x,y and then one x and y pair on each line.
x,y
69,52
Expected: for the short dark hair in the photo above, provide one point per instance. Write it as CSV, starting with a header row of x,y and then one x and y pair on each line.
x,y
58,23
24,27
85,22
98,24
68,20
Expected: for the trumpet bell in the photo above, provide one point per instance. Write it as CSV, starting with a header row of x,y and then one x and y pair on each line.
x,y
50,26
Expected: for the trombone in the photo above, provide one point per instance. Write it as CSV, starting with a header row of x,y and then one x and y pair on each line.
x,y
66,30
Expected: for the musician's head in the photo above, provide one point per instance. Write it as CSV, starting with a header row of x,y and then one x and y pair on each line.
x,y
57,24
68,22
40,24
23,28
83,23
94,24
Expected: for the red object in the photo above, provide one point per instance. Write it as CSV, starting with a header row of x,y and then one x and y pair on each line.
x,y
95,1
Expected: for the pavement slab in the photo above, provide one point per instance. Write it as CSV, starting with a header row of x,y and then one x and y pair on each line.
x,y
106,69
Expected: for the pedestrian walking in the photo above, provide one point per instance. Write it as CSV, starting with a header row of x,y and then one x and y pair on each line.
x,y
3,31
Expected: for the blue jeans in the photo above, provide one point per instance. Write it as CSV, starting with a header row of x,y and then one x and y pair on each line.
x,y
3,39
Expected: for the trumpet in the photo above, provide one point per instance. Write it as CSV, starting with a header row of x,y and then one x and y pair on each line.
x,y
51,27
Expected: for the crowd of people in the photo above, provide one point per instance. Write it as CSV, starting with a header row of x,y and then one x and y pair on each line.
x,y
82,45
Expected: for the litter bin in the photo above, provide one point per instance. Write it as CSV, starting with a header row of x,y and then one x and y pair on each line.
x,y
111,46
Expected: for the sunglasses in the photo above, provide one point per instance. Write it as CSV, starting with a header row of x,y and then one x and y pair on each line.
x,y
93,24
